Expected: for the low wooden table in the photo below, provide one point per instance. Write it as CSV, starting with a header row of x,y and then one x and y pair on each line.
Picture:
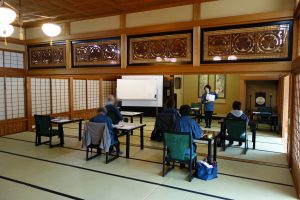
x,y
133,114
210,136
125,129
61,121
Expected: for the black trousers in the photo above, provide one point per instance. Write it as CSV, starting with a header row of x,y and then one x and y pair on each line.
x,y
208,117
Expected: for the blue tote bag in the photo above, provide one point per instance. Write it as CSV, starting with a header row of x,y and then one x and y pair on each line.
x,y
207,173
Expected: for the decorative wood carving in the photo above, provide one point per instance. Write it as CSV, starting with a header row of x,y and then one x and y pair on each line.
x,y
256,42
101,52
47,56
173,47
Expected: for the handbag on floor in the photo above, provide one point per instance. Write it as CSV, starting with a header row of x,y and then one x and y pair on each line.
x,y
206,171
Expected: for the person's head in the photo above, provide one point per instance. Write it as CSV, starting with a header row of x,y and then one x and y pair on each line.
x,y
111,99
170,103
184,110
207,88
236,105
102,110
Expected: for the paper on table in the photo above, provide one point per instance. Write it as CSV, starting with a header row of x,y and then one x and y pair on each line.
x,y
210,97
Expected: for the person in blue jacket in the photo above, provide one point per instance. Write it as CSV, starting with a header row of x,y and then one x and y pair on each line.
x,y
237,113
170,108
101,117
208,105
186,124
111,107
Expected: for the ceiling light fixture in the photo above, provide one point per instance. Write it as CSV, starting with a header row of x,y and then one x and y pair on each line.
x,y
7,15
51,30
6,30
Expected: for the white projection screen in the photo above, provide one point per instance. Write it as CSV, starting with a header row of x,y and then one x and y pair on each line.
x,y
140,91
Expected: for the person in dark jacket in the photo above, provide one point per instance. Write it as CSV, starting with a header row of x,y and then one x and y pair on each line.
x,y
111,107
237,113
186,124
101,117
170,108
208,105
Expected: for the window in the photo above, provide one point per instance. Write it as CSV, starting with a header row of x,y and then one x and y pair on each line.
x,y
108,87
14,88
12,59
40,96
93,94
60,95
296,135
1,59
79,94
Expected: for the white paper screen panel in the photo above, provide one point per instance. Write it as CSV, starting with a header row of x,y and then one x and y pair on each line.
x,y
14,97
60,95
93,94
13,59
79,94
2,100
1,59
108,87
40,96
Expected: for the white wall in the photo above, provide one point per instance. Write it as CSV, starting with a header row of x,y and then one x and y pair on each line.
x,y
94,25
226,8
160,16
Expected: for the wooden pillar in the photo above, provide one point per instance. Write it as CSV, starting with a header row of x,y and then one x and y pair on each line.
x,y
68,55
28,103
71,99
123,41
196,35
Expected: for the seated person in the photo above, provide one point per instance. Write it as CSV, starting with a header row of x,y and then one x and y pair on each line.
x,y
187,124
111,107
237,113
101,117
170,108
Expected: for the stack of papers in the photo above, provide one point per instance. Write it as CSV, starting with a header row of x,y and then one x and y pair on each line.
x,y
210,97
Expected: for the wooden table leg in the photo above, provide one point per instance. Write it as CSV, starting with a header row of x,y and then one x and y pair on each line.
x,y
215,149
127,144
142,137
61,133
131,121
79,132
141,118
209,152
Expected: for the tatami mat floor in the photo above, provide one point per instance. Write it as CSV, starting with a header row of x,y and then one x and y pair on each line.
x,y
29,172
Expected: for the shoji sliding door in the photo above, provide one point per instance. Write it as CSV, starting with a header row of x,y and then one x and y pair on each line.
x,y
40,96
60,95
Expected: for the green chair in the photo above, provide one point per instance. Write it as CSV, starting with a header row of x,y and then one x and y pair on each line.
x,y
175,145
235,130
43,127
197,113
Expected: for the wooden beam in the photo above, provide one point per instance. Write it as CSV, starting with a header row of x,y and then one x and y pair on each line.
x,y
171,69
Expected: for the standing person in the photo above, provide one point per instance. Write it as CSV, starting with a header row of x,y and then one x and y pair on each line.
x,y
208,105
112,108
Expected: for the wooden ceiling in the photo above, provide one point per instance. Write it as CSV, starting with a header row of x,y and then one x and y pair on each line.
x,y
37,11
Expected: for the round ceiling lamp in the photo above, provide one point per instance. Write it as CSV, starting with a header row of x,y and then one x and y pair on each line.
x,y
51,29
6,30
7,15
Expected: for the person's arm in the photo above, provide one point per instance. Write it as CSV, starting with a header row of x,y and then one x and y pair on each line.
x,y
118,113
203,98
197,131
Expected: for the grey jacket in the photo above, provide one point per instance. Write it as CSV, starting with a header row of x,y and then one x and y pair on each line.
x,y
96,134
